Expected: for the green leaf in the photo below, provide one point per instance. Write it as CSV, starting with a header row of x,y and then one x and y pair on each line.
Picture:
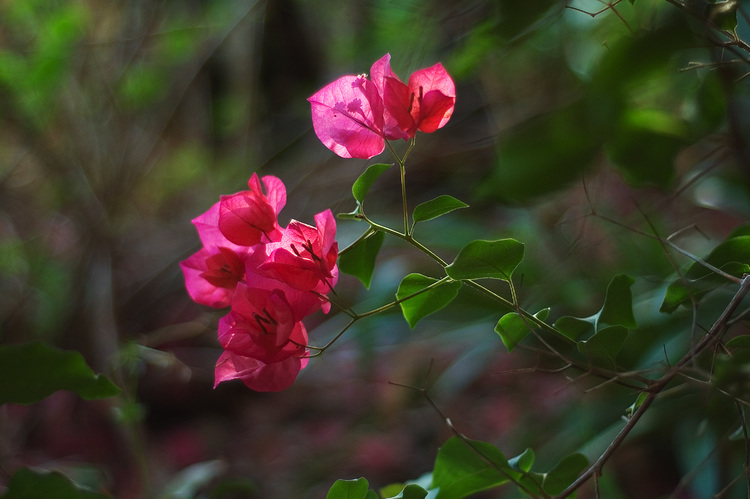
x,y
513,328
723,14
524,461
411,491
618,303
635,405
492,259
605,343
731,256
564,473
428,302
351,489
739,341
365,181
29,484
575,327
437,207
461,470
359,258
33,371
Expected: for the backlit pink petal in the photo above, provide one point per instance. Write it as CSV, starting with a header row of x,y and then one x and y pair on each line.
x,y
199,289
248,218
434,97
347,117
257,375
275,192
398,102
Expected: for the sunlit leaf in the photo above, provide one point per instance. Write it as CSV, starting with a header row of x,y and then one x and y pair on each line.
x,y
618,303
364,182
351,489
605,343
437,207
428,302
33,371
29,484
487,259
524,461
411,491
359,259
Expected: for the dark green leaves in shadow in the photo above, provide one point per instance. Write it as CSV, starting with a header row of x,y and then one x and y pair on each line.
x,y
427,302
29,484
359,258
33,371
731,256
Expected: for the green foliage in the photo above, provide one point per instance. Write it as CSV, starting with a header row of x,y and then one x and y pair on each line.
x,y
351,489
437,207
359,258
513,327
487,259
33,371
363,183
732,257
29,484
427,296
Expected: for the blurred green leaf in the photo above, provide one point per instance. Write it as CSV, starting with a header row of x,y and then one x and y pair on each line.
x,y
723,15
564,473
605,343
428,302
731,256
359,258
437,207
618,303
487,259
411,491
351,489
543,155
739,341
362,185
29,484
33,371
645,144
461,470
524,461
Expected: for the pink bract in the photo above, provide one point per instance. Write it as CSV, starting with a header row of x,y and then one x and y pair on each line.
x,y
250,217
347,117
257,375
305,258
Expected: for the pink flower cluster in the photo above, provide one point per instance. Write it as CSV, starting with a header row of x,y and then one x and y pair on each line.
x,y
353,116
271,277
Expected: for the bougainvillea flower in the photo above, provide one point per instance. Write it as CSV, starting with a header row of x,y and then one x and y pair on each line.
x,y
263,325
353,115
347,117
258,375
250,217
425,104
305,258
212,273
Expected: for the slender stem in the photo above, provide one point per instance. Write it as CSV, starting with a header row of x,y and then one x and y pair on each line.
x,y
714,335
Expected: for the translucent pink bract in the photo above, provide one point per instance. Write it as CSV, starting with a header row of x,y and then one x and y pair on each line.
x,y
272,277
353,116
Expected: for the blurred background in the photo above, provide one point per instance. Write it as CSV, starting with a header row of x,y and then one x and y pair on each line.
x,y
576,125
